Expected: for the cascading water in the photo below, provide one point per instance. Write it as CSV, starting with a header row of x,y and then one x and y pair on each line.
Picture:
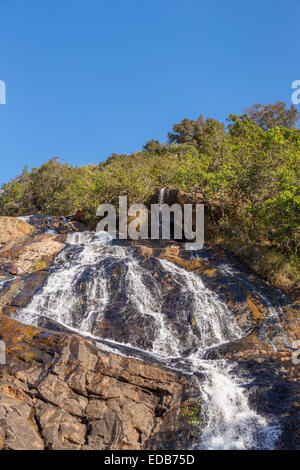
x,y
212,316
161,200
95,287
230,423
87,262
149,302
59,300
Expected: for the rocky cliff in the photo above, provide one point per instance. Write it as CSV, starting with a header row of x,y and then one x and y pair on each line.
x,y
58,391
228,334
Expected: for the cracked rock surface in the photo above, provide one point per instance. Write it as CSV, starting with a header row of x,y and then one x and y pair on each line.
x,y
59,391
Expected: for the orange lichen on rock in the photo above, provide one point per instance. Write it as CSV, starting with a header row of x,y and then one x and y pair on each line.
x,y
210,272
257,313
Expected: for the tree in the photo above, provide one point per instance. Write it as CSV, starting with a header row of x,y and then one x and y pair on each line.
x,y
187,132
155,147
208,136
50,187
273,115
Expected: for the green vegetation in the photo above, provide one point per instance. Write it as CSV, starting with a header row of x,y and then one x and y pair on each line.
x,y
193,415
249,171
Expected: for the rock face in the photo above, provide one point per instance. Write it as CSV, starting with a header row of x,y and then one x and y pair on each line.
x,y
34,254
60,225
248,298
24,261
18,292
275,391
60,392
13,230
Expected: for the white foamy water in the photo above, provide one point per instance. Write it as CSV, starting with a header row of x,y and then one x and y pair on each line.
x,y
2,284
149,302
229,421
6,281
58,300
25,218
213,318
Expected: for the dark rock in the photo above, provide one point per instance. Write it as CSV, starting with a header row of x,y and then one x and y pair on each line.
x,y
274,392
58,225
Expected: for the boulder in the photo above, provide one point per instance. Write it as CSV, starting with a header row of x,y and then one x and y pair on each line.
x,y
13,230
47,224
34,254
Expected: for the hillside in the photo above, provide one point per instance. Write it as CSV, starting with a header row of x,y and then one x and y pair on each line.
x,y
247,175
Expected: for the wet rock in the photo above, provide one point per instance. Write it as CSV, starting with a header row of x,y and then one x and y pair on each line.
x,y
274,392
57,225
145,251
23,266
18,292
71,226
248,346
75,397
270,320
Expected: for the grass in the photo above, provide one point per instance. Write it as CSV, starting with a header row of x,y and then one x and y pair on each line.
x,y
279,269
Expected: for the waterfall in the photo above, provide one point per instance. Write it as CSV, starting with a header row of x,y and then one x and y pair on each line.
x,y
59,300
161,200
161,196
87,258
216,323
272,318
149,302
6,282
230,423
96,286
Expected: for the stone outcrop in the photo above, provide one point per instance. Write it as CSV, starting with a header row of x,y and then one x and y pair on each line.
x,y
60,225
33,254
13,230
18,292
24,261
59,391
274,391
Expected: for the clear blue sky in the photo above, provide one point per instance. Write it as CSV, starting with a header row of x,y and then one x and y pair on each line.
x,y
88,78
